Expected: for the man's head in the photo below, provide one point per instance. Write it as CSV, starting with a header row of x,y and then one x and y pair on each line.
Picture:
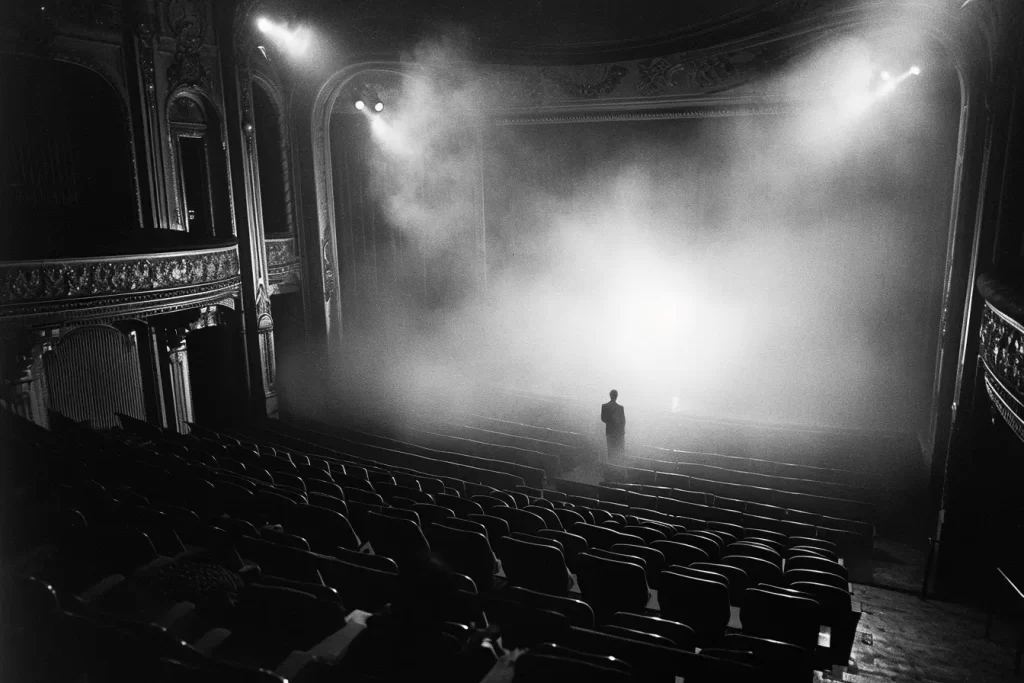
x,y
614,394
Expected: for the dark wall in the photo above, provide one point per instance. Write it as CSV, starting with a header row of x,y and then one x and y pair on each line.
x,y
66,171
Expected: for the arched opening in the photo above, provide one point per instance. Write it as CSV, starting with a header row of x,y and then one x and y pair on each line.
x,y
201,181
270,150
66,170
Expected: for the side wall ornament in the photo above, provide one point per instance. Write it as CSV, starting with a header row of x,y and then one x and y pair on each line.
x,y
186,20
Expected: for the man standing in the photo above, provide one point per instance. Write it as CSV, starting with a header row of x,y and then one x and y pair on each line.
x,y
614,418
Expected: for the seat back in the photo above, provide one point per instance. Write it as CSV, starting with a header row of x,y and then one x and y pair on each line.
x,y
533,565
816,563
682,554
578,612
681,635
611,585
789,618
699,603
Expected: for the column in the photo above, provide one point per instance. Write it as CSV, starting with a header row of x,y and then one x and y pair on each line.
x,y
235,35
180,382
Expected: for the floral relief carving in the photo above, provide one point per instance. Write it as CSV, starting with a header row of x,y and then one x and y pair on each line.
x,y
1002,348
281,252
581,81
54,280
653,75
186,20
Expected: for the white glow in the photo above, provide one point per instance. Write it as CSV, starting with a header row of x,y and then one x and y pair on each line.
x,y
360,105
295,42
885,75
915,70
298,42
379,106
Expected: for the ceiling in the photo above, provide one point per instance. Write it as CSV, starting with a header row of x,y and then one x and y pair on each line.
x,y
547,30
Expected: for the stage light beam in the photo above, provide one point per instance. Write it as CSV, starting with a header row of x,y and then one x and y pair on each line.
x,y
915,70
885,75
264,25
379,107
360,105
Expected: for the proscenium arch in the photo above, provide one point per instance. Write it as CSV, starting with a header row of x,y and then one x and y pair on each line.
x,y
964,37
323,176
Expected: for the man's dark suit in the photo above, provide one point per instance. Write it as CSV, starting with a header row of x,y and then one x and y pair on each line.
x,y
614,417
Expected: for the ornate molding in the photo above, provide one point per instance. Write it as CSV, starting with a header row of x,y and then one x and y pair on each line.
x,y
329,280
1001,347
588,82
281,252
283,266
97,287
186,20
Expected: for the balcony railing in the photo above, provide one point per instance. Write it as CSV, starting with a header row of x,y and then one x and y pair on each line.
x,y
107,287
1002,350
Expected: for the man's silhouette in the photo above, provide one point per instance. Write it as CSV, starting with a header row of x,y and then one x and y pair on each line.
x,y
614,418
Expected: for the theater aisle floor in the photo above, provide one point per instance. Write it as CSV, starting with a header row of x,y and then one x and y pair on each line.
x,y
903,638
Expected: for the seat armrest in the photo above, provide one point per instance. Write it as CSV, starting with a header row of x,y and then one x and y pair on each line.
x,y
100,589
178,618
212,640
291,668
334,646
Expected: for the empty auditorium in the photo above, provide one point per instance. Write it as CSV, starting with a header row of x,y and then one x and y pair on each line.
x,y
348,341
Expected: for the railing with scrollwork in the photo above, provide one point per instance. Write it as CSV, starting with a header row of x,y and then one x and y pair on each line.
x,y
111,287
1002,350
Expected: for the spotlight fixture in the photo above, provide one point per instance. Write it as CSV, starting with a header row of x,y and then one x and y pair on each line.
x,y
915,70
360,105
378,107
884,75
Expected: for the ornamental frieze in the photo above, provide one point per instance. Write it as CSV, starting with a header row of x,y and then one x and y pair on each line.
x,y
281,252
46,281
1002,348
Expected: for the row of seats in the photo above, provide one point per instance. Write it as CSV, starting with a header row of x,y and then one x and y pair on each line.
x,y
727,475
529,525
728,507
666,474
858,479
559,535
492,472
283,558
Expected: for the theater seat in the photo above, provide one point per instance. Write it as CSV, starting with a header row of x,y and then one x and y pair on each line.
x,y
789,618
699,603
680,635
611,586
681,554
467,552
534,565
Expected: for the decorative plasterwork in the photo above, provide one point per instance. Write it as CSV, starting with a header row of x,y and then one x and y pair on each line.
x,y
186,22
1002,354
116,286
282,263
1002,347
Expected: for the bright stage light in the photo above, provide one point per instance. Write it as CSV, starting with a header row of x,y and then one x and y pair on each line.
x,y
360,105
378,107
915,70
296,41
885,75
